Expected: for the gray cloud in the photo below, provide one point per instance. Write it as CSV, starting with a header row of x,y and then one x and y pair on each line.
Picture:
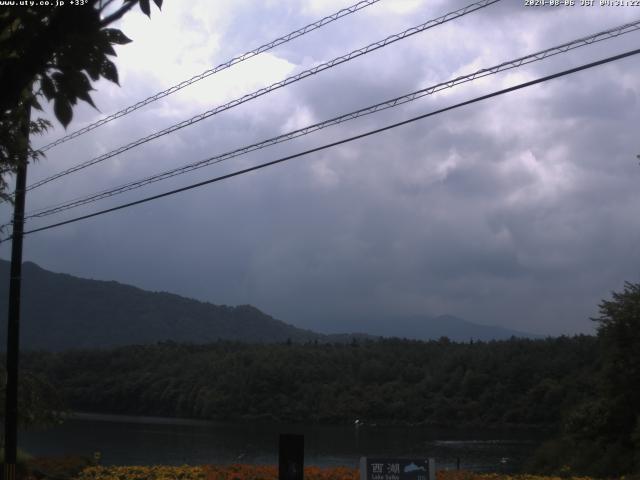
x,y
517,211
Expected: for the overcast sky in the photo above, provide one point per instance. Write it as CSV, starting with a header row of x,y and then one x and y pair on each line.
x,y
520,211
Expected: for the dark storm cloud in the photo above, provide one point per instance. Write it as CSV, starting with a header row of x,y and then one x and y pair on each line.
x,y
516,211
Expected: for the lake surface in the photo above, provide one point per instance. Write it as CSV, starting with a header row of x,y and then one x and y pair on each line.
x,y
124,440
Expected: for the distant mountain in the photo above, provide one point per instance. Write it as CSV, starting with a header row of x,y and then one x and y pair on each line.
x,y
60,311
426,328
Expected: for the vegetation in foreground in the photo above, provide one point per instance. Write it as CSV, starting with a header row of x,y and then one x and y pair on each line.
x,y
601,434
265,472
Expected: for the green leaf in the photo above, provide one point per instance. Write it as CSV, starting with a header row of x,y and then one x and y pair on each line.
x,y
48,89
144,6
109,71
108,50
87,98
39,126
80,88
92,66
77,81
113,35
35,103
73,55
72,84
62,109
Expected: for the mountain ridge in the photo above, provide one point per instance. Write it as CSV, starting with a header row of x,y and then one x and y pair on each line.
x,y
61,311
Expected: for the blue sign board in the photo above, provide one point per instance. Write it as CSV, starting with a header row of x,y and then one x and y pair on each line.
x,y
397,469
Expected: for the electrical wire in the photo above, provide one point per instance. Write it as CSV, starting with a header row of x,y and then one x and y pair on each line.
x,y
394,102
207,73
289,80
339,142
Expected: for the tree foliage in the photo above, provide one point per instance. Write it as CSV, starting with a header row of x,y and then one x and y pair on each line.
x,y
515,382
40,403
62,49
53,53
13,142
602,433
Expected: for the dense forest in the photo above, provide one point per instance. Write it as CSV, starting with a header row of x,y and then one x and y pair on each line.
x,y
516,382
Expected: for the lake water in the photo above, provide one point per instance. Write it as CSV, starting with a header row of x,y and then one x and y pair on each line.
x,y
123,440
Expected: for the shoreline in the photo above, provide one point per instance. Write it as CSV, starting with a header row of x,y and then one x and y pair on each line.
x,y
545,430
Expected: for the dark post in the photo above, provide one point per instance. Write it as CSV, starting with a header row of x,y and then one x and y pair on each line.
x,y
13,324
291,457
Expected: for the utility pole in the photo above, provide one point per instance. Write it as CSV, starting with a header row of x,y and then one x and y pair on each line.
x,y
13,325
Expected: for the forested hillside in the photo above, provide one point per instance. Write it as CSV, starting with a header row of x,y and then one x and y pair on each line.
x,y
516,382
61,311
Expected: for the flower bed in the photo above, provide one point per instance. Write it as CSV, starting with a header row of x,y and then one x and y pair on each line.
x,y
269,472
77,469
211,472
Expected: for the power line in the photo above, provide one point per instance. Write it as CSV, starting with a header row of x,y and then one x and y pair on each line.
x,y
534,57
207,73
340,142
287,81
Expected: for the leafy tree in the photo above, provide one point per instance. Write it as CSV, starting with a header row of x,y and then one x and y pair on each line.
x,y
602,433
619,334
13,141
58,51
40,403
55,53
